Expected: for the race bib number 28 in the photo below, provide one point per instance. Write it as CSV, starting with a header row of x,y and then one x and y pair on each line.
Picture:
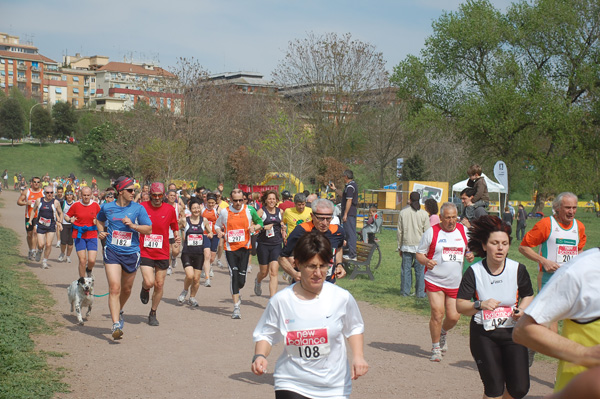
x,y
452,254
308,344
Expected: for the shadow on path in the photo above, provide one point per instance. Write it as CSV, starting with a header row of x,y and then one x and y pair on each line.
x,y
407,349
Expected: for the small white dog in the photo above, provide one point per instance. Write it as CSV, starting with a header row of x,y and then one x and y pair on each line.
x,y
81,294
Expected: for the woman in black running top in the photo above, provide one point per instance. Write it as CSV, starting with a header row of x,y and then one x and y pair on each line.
x,y
270,242
501,289
192,255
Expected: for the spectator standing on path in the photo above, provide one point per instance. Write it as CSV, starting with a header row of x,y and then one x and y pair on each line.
x,y
521,222
349,203
442,251
571,295
412,223
5,178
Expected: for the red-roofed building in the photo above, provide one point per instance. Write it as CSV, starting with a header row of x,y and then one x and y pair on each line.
x,y
23,67
120,85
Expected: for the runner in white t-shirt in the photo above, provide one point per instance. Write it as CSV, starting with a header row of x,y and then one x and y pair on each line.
x,y
442,251
313,319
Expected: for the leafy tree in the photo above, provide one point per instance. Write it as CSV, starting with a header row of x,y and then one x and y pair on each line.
x,y
245,167
41,124
414,169
25,103
11,120
65,120
516,86
104,150
328,77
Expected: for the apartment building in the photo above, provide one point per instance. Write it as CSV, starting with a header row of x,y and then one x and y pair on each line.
x,y
120,85
23,67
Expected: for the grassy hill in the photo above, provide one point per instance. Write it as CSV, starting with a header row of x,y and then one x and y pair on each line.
x,y
55,159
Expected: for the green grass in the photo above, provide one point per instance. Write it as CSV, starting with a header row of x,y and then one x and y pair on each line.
x,y
385,289
54,159
24,371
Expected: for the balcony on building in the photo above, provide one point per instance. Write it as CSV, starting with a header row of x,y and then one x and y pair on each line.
x,y
21,66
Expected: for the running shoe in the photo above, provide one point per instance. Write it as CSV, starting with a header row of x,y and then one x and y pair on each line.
x,y
144,295
31,255
61,257
38,256
117,332
173,262
236,313
45,264
207,283
182,296
531,355
152,320
436,355
219,263
68,259
249,269
121,321
88,273
202,274
193,302
257,288
58,244
211,273
169,271
443,342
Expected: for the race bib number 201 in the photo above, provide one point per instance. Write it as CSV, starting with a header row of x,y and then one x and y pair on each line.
x,y
566,251
308,344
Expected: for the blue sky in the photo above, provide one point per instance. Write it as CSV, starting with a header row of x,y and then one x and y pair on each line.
x,y
225,36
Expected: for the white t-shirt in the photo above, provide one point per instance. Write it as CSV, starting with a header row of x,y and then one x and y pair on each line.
x,y
449,254
314,361
572,293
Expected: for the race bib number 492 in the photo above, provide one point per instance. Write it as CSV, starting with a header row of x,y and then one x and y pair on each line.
x,y
308,344
501,317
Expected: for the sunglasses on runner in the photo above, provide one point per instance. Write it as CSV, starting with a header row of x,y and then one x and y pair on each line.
x,y
156,195
238,200
129,190
49,192
324,217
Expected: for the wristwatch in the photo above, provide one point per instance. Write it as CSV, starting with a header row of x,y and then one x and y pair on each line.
x,y
477,305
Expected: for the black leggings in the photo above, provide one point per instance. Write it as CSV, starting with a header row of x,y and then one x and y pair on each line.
x,y
500,360
289,395
238,263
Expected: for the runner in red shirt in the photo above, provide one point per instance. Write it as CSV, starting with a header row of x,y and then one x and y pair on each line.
x,y
154,248
82,215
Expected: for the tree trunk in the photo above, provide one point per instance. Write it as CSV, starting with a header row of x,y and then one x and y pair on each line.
x,y
539,203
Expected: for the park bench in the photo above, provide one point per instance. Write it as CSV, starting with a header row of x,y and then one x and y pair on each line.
x,y
362,264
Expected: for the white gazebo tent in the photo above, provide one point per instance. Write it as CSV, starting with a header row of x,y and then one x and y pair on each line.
x,y
492,186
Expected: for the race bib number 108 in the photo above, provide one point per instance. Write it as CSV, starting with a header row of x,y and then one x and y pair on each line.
x,y
308,344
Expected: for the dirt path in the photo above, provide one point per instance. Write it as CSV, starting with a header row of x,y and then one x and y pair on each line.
x,y
202,352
